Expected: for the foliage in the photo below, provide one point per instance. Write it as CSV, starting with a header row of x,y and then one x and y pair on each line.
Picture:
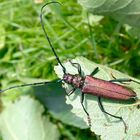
x,y
125,11
24,120
25,56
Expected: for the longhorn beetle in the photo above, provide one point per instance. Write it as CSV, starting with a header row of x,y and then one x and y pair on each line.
x,y
88,84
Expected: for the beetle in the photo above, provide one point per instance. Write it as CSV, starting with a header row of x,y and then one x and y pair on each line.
x,y
88,84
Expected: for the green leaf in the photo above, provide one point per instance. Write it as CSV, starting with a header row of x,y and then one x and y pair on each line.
x,y
2,36
134,32
108,127
125,11
53,97
23,120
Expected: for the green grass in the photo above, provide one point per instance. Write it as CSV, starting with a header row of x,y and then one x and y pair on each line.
x,y
26,57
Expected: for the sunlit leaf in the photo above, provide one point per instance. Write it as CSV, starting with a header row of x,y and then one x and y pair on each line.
x,y
109,128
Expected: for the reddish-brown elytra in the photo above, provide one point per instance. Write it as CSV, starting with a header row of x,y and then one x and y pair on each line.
x,y
99,87
88,84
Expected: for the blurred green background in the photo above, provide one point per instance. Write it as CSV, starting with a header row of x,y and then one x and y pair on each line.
x,y
25,56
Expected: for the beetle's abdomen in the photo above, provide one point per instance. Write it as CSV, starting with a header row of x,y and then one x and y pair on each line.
x,y
106,89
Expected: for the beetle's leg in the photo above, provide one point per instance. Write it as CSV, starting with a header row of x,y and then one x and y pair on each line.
x,y
121,80
103,110
94,71
77,65
88,117
71,91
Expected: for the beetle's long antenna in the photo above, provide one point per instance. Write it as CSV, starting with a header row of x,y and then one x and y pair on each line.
x,y
57,58
30,84
47,37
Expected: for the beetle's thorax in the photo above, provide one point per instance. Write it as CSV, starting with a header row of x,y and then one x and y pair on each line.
x,y
74,80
